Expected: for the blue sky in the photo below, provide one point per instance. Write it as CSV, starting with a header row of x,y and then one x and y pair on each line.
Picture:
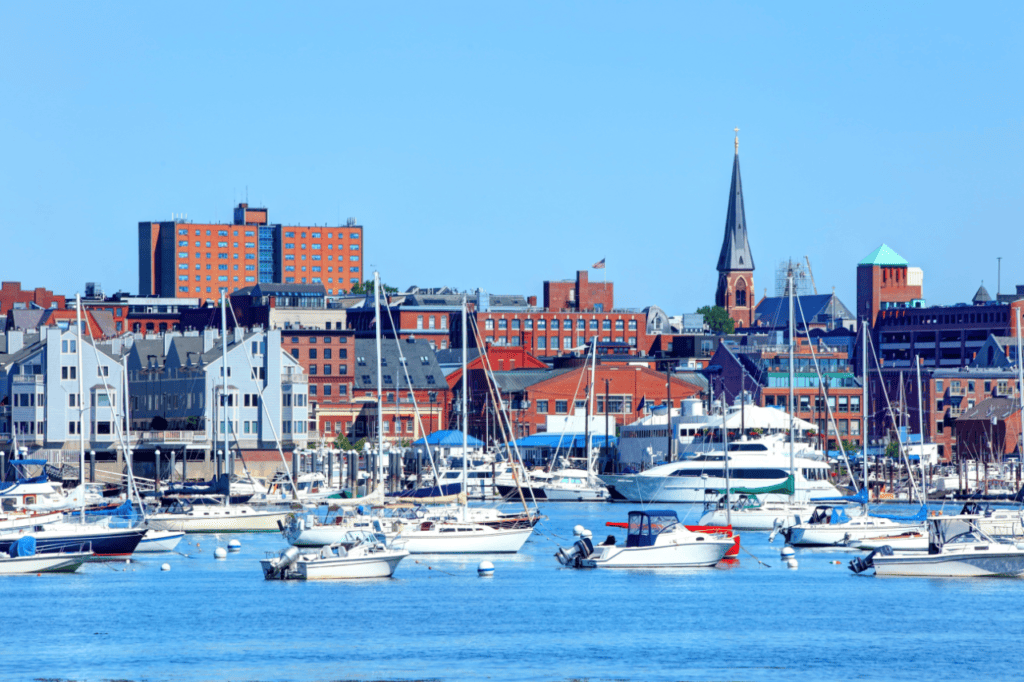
x,y
496,145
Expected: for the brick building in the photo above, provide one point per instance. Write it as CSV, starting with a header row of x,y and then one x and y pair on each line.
x,y
885,281
13,297
581,294
183,259
762,371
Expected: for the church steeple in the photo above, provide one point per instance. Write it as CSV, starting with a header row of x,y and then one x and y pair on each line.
x,y
735,248
735,262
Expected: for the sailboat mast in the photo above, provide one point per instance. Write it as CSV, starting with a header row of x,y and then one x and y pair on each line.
x,y
920,428
1020,381
864,407
792,381
223,392
380,398
81,403
593,391
127,424
465,409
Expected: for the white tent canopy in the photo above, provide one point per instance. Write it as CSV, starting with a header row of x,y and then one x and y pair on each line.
x,y
755,417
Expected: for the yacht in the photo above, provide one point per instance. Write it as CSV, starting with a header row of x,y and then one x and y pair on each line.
x,y
361,555
753,463
829,525
562,485
184,516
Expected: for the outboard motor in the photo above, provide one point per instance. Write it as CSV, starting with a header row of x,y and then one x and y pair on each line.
x,y
580,550
862,564
280,565
777,528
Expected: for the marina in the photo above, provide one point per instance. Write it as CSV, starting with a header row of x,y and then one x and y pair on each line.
x,y
737,622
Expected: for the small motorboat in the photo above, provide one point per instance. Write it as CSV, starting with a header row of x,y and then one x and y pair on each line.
x,y
655,539
22,558
958,547
361,555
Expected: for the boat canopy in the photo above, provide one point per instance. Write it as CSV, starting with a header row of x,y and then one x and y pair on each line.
x,y
787,487
919,517
644,526
23,546
860,498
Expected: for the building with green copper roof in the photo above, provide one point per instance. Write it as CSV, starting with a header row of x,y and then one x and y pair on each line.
x,y
885,257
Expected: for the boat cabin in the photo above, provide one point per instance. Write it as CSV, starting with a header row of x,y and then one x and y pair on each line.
x,y
645,526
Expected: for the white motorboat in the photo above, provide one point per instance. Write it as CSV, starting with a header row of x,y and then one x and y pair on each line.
x,y
655,539
361,556
23,559
181,515
563,485
751,512
829,525
32,490
753,463
957,548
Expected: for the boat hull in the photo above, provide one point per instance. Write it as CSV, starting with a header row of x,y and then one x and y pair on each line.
x,y
952,565
46,563
105,543
448,539
159,541
759,519
348,568
553,494
684,555
826,535
220,522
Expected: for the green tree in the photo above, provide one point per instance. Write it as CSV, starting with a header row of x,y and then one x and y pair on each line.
x,y
850,446
717,319
342,443
366,288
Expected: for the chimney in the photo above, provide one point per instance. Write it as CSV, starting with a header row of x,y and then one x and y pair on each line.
x,y
15,341
209,338
239,334
531,301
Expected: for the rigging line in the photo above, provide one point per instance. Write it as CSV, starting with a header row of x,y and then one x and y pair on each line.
x,y
896,426
270,422
828,408
506,427
117,422
561,437
416,407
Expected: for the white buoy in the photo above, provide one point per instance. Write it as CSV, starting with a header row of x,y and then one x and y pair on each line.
x,y
791,563
165,567
788,553
127,561
485,569
220,553
234,546
577,530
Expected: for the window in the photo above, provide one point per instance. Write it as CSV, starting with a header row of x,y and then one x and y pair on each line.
x,y
542,343
542,407
561,406
542,324
606,325
503,324
554,324
312,353
488,324
618,325
593,325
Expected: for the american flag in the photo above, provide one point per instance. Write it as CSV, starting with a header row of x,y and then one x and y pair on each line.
x,y
599,265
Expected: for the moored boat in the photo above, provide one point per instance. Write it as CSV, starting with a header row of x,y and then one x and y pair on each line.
x,y
362,555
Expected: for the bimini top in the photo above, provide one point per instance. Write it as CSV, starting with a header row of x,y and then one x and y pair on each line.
x,y
644,526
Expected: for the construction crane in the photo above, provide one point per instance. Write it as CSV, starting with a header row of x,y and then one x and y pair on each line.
x,y
813,285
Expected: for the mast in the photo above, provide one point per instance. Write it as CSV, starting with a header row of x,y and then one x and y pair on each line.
x,y
725,461
864,410
1020,382
593,391
792,381
920,428
223,390
81,405
465,410
380,380
127,425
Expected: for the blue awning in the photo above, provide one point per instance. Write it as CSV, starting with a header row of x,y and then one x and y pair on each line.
x,y
449,439
569,440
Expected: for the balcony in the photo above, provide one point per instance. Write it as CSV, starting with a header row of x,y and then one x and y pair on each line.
x,y
29,379
169,437
1004,391
955,412
955,391
294,379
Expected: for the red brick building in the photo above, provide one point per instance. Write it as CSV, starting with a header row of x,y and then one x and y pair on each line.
x,y
12,296
183,259
581,294
885,280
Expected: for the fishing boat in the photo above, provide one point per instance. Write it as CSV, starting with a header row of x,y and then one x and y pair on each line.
x,y
957,548
655,539
362,555
22,558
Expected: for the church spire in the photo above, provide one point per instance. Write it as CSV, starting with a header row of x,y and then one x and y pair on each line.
x,y
735,253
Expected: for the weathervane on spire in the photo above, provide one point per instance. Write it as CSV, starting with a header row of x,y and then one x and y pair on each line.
x,y
737,141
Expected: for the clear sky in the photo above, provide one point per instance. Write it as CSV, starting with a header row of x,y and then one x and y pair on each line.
x,y
496,145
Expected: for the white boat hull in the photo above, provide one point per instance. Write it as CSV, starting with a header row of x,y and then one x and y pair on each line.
x,y
757,519
219,520
444,538
842,533
996,561
159,541
684,555
373,566
44,563
671,489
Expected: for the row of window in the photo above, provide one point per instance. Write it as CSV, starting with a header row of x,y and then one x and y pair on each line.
x,y
316,235
581,324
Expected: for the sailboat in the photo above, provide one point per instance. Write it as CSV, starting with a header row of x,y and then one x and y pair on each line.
x,y
750,511
458,533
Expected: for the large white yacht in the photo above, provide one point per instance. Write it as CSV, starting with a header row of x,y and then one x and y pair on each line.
x,y
753,463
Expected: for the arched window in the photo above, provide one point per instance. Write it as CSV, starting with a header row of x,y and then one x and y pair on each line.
x,y
741,293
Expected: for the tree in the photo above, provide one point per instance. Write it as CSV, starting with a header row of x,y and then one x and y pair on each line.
x,y
342,443
366,288
717,319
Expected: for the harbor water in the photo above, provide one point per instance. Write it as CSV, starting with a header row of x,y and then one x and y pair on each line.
x,y
210,619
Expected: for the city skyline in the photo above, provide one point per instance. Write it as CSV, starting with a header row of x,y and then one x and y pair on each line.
x,y
559,136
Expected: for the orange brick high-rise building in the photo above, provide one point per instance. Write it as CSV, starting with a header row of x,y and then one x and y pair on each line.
x,y
190,260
